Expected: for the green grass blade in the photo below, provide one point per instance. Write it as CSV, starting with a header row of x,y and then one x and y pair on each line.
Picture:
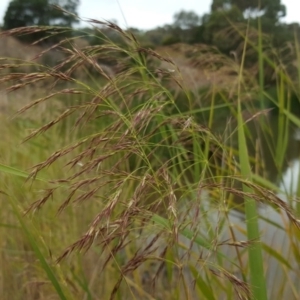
x,y
200,241
277,255
202,285
258,282
47,268
16,172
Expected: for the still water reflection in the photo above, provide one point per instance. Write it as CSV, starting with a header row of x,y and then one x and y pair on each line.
x,y
278,243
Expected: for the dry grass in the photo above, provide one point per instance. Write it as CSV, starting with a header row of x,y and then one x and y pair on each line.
x,y
127,195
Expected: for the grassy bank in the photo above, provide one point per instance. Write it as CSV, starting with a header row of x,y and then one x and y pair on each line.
x,y
137,187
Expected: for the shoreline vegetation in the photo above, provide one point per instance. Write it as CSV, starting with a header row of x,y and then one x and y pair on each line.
x,y
127,174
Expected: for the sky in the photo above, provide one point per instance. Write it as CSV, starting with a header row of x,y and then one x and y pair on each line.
x,y
147,14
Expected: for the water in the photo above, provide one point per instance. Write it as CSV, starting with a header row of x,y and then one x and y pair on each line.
x,y
278,242
281,267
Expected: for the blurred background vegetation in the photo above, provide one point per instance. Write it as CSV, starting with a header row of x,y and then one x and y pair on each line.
x,y
214,29
187,27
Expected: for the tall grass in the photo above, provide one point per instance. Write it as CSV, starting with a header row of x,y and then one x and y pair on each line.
x,y
255,251
134,186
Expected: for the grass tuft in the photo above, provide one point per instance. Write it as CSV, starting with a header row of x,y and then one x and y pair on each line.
x,y
130,180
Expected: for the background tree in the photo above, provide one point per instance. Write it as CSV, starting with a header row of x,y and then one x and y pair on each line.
x,y
272,9
22,13
183,27
186,19
157,35
211,32
218,5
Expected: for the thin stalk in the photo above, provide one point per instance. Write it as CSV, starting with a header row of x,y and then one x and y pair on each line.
x,y
257,279
281,125
49,270
298,56
260,66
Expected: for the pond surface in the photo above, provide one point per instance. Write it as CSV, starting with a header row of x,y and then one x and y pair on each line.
x,y
280,248
275,224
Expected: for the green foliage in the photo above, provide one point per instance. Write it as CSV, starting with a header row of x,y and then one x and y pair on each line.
x,y
218,5
170,40
212,25
157,35
186,19
272,9
40,12
225,12
101,34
